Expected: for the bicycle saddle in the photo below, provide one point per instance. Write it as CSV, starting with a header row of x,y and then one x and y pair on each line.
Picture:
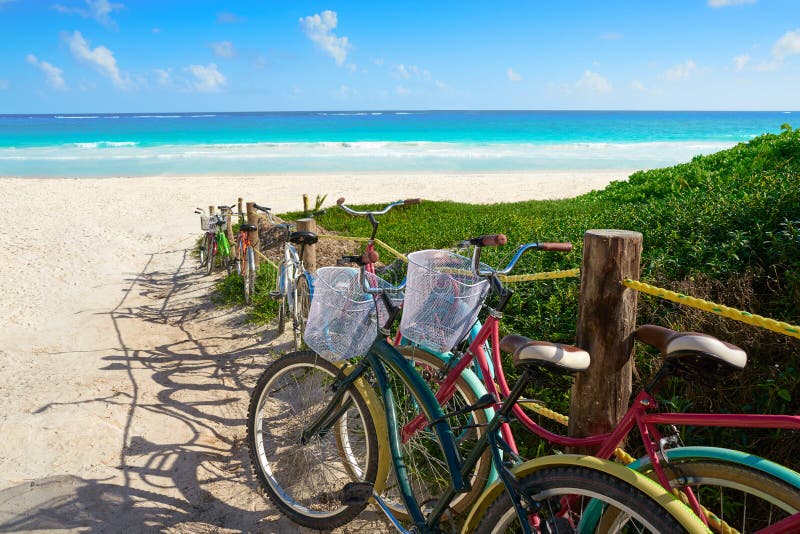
x,y
248,227
528,351
695,346
303,238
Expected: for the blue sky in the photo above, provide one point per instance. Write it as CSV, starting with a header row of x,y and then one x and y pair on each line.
x,y
134,56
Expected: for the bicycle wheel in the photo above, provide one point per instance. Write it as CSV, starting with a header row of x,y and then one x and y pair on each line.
x,y
305,481
744,497
211,252
427,468
248,267
302,303
564,493
280,292
202,251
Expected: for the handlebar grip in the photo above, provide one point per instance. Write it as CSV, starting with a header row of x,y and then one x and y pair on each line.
x,y
409,201
365,259
491,240
340,201
555,247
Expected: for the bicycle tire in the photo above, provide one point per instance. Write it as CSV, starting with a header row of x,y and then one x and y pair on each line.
x,y
202,251
280,288
248,267
305,481
547,486
430,478
302,303
729,490
211,249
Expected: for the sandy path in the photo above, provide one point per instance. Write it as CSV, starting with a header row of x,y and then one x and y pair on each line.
x,y
123,394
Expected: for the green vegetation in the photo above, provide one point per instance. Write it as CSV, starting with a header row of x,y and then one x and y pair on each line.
x,y
724,227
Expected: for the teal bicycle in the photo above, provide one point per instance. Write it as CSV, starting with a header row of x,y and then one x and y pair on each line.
x,y
318,436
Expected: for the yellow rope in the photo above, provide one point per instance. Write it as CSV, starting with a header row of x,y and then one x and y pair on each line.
x,y
544,411
719,309
274,265
569,273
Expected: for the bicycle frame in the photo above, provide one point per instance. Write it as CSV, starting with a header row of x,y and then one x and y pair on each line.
x,y
641,414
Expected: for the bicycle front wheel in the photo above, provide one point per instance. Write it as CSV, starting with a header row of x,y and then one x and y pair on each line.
x,y
427,468
564,493
306,481
248,266
744,498
211,250
302,303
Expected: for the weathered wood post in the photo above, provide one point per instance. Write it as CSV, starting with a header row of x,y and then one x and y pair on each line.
x,y
239,209
211,210
606,321
229,229
305,204
252,218
310,251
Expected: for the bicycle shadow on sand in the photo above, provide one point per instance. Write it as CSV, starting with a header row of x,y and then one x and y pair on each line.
x,y
183,464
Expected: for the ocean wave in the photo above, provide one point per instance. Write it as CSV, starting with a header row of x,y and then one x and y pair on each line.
x,y
203,115
77,116
157,116
105,144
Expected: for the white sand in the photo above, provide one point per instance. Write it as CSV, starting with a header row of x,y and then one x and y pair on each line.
x,y
123,394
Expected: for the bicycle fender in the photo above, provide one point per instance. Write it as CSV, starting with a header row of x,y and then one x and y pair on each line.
x,y
674,507
729,456
375,407
310,280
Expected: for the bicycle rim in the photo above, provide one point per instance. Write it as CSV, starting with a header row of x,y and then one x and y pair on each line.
x,y
427,468
302,303
305,481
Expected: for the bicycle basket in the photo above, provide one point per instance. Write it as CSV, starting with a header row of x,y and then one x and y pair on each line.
x,y
442,301
204,223
343,319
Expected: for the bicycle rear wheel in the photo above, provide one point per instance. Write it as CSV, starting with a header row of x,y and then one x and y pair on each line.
x,y
202,251
302,303
564,493
306,481
248,267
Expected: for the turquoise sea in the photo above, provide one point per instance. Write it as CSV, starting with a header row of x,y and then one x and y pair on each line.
x,y
145,144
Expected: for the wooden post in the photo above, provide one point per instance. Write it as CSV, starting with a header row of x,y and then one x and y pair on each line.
x,y
239,209
229,231
606,321
252,218
305,204
310,251
211,210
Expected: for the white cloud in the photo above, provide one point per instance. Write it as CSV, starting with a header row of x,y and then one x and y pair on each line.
x,y
378,61
163,76
636,85
441,85
406,72
513,76
52,73
352,67
4,84
740,61
681,71
207,79
725,3
400,90
319,28
593,81
400,71
226,17
100,58
99,10
345,91
223,49
156,30
787,45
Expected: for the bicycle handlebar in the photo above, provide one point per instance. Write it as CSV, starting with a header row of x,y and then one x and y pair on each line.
x,y
479,243
341,203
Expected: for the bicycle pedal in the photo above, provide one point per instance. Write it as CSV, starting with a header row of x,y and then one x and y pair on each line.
x,y
356,493
275,295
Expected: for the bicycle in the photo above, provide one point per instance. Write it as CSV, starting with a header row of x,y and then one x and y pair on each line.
x,y
314,448
777,488
294,285
215,242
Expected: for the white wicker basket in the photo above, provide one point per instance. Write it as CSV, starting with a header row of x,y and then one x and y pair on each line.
x,y
204,220
343,319
442,299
